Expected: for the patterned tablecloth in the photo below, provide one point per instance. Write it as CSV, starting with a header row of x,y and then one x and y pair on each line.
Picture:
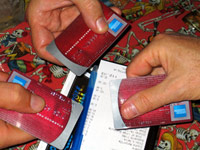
x,y
147,18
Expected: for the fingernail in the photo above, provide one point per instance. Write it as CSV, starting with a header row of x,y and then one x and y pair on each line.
x,y
101,24
37,103
129,110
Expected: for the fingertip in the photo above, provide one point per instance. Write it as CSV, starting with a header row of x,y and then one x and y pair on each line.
x,y
101,25
129,72
3,76
101,22
37,103
93,15
132,70
128,110
117,10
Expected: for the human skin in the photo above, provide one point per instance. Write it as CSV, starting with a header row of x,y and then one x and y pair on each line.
x,y
48,18
15,97
178,56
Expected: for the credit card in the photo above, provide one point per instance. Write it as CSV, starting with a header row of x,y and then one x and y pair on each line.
x,y
122,89
78,47
54,123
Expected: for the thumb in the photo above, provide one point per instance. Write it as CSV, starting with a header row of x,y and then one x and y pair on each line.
x,y
17,98
149,99
93,15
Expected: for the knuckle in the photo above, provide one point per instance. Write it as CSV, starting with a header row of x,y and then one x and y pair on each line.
x,y
16,95
40,53
178,89
145,102
90,4
164,37
161,36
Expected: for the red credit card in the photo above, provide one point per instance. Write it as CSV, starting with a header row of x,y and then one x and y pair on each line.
x,y
54,123
122,89
78,47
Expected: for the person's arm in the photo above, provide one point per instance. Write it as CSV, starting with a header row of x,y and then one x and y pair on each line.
x,y
178,56
15,97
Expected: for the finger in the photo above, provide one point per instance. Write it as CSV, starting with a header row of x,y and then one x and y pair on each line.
x,y
15,97
11,135
149,58
144,101
116,10
140,61
3,76
93,15
157,71
71,13
41,37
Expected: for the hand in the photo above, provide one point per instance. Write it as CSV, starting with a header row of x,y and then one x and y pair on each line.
x,y
178,56
15,97
48,18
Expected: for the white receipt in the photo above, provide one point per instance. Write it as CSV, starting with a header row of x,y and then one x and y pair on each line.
x,y
99,132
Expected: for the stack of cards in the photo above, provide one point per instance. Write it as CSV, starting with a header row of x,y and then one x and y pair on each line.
x,y
54,123
122,89
78,47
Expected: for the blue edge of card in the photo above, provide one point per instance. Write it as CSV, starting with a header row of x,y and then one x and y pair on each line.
x,y
76,144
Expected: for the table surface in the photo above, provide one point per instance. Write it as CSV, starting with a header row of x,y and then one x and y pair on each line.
x,y
141,16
